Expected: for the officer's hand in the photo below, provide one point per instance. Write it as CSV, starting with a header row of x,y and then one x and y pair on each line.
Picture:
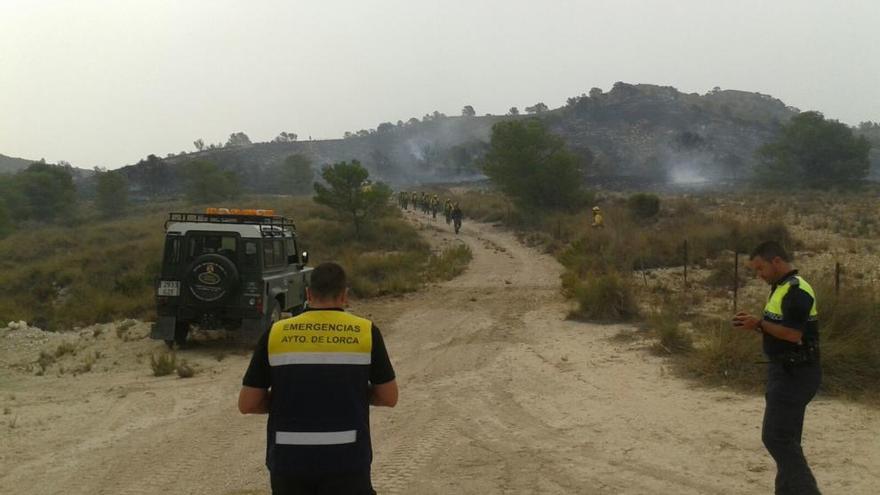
x,y
745,321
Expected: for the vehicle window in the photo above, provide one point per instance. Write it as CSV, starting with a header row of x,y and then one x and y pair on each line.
x,y
172,250
250,254
228,243
290,247
225,244
268,253
278,246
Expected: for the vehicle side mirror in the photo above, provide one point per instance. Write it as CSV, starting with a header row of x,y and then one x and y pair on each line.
x,y
305,258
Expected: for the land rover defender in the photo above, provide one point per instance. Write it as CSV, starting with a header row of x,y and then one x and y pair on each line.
x,y
229,269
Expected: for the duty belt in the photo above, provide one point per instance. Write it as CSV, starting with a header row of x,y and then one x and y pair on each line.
x,y
805,355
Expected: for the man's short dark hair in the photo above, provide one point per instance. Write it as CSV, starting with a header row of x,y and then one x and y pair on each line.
x,y
770,249
328,281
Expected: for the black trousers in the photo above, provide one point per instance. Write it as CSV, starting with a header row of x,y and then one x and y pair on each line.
x,y
336,484
789,390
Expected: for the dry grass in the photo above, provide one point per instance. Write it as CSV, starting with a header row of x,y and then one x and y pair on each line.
x,y
605,297
450,263
47,272
824,226
850,347
666,322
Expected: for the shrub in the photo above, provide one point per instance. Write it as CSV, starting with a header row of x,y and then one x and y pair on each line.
x,y
184,370
448,264
88,363
723,274
672,339
724,355
45,360
849,345
46,272
163,364
643,206
380,273
65,348
604,297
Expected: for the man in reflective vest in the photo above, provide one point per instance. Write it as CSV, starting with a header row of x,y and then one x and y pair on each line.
x,y
790,329
316,375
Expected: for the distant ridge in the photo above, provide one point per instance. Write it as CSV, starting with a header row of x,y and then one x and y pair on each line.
x,y
10,164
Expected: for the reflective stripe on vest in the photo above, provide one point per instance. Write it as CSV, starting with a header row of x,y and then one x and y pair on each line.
x,y
315,438
773,308
321,337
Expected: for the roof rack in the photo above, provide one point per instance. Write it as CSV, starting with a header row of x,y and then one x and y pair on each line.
x,y
261,220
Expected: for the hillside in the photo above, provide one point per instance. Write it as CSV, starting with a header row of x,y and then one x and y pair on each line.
x,y
642,133
9,164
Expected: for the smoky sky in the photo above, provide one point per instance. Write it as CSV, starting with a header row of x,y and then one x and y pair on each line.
x,y
104,83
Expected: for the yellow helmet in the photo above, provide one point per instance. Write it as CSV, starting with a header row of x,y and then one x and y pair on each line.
x,y
595,208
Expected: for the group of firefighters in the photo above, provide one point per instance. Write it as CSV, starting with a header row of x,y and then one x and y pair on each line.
x,y
431,205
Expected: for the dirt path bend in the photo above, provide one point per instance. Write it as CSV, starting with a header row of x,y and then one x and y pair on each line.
x,y
499,394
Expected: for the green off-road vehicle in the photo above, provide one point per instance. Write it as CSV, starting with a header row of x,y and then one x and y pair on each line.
x,y
228,269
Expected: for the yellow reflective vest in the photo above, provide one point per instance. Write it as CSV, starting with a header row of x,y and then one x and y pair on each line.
x,y
319,412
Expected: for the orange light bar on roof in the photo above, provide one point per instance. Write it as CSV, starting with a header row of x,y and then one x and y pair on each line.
x,y
237,211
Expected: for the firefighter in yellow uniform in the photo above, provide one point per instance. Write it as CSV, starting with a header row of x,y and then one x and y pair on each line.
x,y
598,221
316,375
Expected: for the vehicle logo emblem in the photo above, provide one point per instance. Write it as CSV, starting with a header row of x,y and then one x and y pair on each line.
x,y
208,277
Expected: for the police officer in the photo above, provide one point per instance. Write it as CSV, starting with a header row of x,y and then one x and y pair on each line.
x,y
316,375
790,330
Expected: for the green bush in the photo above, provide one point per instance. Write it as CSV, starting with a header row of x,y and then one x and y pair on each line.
x,y
163,364
666,322
604,297
448,264
723,273
725,356
643,206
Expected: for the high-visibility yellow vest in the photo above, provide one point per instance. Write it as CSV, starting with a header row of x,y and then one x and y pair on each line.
x,y
319,411
773,308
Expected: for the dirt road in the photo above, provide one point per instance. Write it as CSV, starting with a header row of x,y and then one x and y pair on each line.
x,y
499,394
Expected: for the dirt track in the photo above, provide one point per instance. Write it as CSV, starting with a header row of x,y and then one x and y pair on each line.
x,y
499,394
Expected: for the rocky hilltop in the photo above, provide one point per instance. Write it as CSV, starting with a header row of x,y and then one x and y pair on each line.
x,y
634,132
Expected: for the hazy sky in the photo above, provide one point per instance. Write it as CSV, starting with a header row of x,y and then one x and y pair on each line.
x,y
107,82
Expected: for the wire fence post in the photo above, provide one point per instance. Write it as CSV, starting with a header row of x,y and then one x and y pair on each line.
x,y
685,263
735,279
836,278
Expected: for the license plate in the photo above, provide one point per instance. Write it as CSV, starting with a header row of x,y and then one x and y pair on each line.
x,y
169,288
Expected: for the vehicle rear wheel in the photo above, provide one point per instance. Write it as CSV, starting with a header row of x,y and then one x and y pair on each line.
x,y
181,332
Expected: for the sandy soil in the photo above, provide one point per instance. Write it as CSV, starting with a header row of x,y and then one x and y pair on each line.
x,y
499,394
